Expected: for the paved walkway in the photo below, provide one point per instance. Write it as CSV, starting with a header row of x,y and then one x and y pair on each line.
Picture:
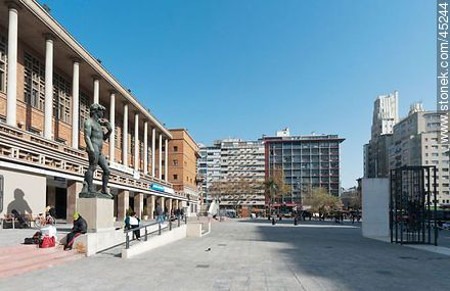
x,y
254,255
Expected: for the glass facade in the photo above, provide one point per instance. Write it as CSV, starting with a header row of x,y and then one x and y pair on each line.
x,y
306,163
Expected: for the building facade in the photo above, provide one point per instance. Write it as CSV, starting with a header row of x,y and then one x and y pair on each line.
x,y
47,83
240,165
376,152
415,143
306,161
183,155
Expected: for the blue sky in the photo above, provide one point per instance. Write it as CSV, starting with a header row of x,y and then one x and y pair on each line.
x,y
241,69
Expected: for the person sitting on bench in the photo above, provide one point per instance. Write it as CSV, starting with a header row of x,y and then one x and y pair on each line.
x,y
79,227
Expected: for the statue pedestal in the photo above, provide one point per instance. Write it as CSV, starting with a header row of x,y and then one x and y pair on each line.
x,y
98,213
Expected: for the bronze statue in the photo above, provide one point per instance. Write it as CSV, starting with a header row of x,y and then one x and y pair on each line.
x,y
94,135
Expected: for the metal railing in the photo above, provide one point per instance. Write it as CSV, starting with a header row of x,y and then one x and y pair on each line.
x,y
160,229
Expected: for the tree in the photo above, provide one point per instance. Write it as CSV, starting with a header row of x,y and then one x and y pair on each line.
x,y
322,202
275,185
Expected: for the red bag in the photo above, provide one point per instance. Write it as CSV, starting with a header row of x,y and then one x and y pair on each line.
x,y
47,242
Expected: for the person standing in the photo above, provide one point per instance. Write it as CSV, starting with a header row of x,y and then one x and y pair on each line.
x,y
159,214
132,221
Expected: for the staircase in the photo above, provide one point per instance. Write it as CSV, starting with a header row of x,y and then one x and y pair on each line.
x,y
20,259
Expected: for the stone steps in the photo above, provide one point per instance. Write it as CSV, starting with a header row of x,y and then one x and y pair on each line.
x,y
26,258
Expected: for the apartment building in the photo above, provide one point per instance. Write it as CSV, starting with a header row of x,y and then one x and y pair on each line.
x,y
240,165
183,155
47,83
307,161
415,143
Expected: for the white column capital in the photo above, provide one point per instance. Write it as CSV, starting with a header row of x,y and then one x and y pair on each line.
x,y
13,5
49,36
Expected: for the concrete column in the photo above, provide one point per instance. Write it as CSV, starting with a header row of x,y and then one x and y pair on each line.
x,y
112,120
160,157
153,152
73,188
122,204
11,90
166,160
125,135
139,204
48,104
161,202
169,206
136,141
151,206
145,147
75,103
96,89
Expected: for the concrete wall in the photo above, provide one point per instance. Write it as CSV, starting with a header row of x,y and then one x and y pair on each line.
x,y
24,192
155,242
375,207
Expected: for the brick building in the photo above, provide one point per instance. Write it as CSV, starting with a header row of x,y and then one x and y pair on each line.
x,y
183,154
47,83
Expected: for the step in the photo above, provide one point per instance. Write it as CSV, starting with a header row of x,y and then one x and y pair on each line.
x,y
33,260
44,265
16,249
27,254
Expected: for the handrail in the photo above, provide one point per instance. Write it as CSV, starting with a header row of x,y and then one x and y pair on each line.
x,y
159,231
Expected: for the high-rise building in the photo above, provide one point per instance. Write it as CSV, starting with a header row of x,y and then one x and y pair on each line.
x,y
306,161
235,162
415,143
208,167
385,116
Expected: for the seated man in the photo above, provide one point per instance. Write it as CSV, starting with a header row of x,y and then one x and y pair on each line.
x,y
79,227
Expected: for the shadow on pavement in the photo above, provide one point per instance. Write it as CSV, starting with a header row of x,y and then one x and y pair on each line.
x,y
341,259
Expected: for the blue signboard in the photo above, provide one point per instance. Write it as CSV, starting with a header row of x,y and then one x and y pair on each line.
x,y
157,187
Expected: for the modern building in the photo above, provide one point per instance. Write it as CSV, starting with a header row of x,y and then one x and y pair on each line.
x,y
209,167
385,116
306,161
183,155
415,143
239,164
47,83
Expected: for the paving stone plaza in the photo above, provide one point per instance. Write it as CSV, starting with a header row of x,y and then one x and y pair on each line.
x,y
254,255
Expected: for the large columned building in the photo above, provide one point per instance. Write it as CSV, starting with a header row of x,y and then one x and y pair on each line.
x,y
47,83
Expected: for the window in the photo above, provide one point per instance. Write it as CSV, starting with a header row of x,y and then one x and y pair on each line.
x,y
84,108
175,177
175,162
175,149
61,98
34,82
3,63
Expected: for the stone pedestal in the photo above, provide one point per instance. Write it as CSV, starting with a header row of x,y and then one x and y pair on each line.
x,y
98,213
